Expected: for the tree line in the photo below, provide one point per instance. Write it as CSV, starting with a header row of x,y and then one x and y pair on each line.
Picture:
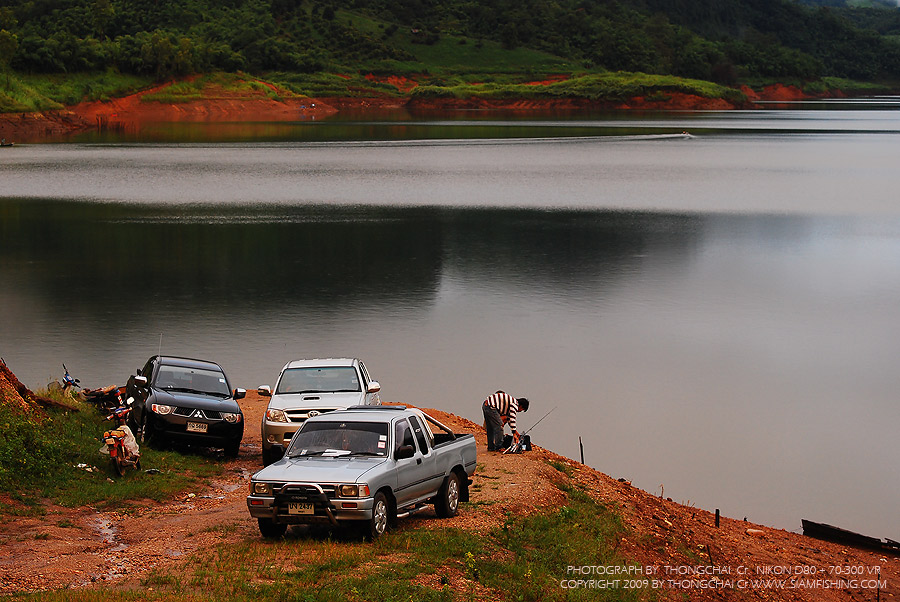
x,y
718,40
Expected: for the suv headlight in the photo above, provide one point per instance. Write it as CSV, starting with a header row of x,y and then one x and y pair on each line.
x,y
276,416
161,409
259,488
232,418
353,490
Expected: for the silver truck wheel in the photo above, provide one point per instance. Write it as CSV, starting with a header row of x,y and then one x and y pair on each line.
x,y
447,503
270,529
378,524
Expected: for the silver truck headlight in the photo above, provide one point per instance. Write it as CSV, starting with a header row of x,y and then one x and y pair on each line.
x,y
230,417
353,490
258,488
276,416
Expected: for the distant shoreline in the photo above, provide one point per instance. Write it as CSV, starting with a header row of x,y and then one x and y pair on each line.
x,y
130,113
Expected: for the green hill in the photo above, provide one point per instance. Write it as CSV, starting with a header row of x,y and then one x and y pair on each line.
x,y
451,41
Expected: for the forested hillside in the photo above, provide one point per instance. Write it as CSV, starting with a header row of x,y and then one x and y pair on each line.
x,y
725,41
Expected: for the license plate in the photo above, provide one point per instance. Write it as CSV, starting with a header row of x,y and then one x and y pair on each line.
x,y
197,427
300,508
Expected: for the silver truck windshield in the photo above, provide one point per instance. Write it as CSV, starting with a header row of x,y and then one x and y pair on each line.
x,y
333,438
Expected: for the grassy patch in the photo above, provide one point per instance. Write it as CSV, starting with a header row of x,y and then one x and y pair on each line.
x,y
72,88
847,86
561,467
51,92
213,86
39,458
605,86
330,84
580,533
20,97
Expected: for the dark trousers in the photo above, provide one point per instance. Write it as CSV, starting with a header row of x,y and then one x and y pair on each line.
x,y
493,424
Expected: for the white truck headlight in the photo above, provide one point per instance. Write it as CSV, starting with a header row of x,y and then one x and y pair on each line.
x,y
276,416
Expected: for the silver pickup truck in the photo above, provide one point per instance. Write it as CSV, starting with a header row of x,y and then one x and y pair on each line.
x,y
366,465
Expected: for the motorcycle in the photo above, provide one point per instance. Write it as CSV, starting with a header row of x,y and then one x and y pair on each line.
x,y
119,443
68,382
106,398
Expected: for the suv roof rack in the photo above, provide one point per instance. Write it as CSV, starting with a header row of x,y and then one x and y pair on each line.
x,y
379,407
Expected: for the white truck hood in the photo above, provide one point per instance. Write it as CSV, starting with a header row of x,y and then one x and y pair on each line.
x,y
291,401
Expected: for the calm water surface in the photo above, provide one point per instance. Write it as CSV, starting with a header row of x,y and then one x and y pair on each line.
x,y
718,315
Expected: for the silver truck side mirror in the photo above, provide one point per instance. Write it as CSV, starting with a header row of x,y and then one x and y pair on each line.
x,y
405,451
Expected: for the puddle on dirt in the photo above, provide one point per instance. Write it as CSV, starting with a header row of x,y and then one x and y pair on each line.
x,y
107,530
117,565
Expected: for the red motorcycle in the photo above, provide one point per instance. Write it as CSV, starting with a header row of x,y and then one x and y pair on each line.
x,y
120,443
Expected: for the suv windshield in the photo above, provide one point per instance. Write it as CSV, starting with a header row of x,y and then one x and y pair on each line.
x,y
338,379
340,439
192,380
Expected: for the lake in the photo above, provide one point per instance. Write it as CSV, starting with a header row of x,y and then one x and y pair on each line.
x,y
716,315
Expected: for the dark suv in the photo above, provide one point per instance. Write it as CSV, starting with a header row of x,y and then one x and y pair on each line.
x,y
188,400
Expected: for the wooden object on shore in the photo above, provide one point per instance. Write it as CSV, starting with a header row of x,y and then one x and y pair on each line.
x,y
837,535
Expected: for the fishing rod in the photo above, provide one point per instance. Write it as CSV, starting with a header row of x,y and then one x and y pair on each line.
x,y
516,446
539,421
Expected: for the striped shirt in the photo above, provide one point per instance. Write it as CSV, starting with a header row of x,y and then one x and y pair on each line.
x,y
506,404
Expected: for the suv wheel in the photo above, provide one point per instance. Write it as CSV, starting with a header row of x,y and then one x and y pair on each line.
x,y
232,449
146,433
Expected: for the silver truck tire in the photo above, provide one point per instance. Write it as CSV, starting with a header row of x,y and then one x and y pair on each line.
x,y
381,513
270,529
447,502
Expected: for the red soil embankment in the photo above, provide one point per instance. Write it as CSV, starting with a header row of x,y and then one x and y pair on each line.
x,y
134,111
217,105
18,127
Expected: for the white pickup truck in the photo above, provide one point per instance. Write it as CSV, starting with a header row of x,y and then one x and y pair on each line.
x,y
366,465
308,388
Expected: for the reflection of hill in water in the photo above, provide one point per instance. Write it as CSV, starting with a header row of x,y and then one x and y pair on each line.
x,y
103,257
211,256
563,251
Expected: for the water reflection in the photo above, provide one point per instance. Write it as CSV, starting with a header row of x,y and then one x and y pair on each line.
x,y
315,256
217,257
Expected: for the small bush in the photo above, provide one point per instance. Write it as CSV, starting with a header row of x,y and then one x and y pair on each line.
x,y
29,450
